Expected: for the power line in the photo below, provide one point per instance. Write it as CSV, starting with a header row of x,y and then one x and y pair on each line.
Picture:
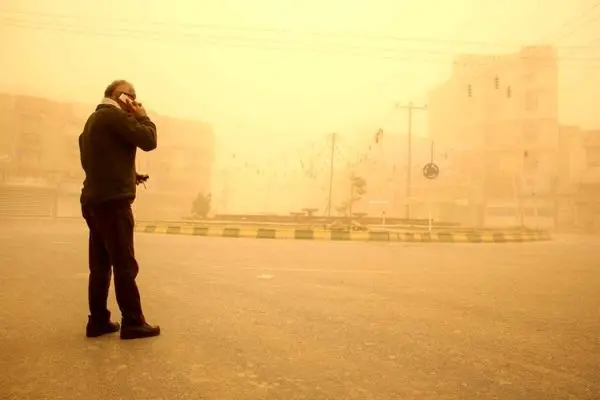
x,y
227,41
278,31
575,19
398,54
584,24
570,22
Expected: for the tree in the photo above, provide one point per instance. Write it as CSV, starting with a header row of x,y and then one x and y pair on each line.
x,y
358,187
201,205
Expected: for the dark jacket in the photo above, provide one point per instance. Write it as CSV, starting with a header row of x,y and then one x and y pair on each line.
x,y
108,148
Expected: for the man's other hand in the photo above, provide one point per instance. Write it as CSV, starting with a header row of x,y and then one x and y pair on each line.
x,y
140,178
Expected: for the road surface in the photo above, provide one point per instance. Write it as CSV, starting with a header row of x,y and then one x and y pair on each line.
x,y
270,319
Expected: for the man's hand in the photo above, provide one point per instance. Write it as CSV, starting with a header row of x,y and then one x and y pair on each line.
x,y
137,109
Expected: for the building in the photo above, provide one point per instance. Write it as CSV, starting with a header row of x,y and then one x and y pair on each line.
x,y
179,170
496,118
578,197
39,142
34,132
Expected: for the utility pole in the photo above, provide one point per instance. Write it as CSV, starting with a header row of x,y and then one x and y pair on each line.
x,y
331,162
431,153
351,198
410,107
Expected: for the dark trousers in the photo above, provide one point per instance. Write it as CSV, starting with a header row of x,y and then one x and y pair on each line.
x,y
111,228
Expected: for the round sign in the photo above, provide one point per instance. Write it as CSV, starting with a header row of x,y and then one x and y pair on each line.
x,y
431,171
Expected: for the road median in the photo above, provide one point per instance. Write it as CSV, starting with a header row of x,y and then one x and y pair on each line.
x,y
419,236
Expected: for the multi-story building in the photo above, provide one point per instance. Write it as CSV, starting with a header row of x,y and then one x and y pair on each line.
x,y
39,141
32,135
578,197
497,119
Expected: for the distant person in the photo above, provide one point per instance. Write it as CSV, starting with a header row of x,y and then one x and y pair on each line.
x,y
108,147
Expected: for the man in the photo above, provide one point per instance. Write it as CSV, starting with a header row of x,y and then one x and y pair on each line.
x,y
108,146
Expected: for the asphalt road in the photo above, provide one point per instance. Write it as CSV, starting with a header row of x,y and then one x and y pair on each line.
x,y
267,319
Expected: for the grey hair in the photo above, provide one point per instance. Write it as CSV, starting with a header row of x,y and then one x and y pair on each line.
x,y
110,89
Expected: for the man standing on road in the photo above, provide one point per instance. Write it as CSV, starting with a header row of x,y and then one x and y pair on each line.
x,y
108,147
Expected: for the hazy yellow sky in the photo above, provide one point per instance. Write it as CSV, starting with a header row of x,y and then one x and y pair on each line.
x,y
259,69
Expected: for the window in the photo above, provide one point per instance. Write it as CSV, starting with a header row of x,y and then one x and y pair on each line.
x,y
593,157
531,102
531,162
530,133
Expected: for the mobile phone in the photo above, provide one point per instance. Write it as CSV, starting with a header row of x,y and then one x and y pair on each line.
x,y
125,99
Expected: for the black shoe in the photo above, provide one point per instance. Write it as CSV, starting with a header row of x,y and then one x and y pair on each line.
x,y
144,330
95,329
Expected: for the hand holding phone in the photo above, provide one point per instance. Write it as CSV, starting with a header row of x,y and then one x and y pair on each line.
x,y
138,109
125,99
133,106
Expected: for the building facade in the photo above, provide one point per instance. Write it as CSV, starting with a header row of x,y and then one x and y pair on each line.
x,y
39,143
496,118
34,136
578,199
179,170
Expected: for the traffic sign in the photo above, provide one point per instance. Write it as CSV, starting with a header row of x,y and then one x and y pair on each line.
x,y
431,171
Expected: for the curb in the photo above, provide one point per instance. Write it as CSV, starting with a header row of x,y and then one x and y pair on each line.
x,y
372,236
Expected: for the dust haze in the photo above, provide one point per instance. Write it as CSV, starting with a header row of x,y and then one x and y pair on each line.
x,y
386,119
248,101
